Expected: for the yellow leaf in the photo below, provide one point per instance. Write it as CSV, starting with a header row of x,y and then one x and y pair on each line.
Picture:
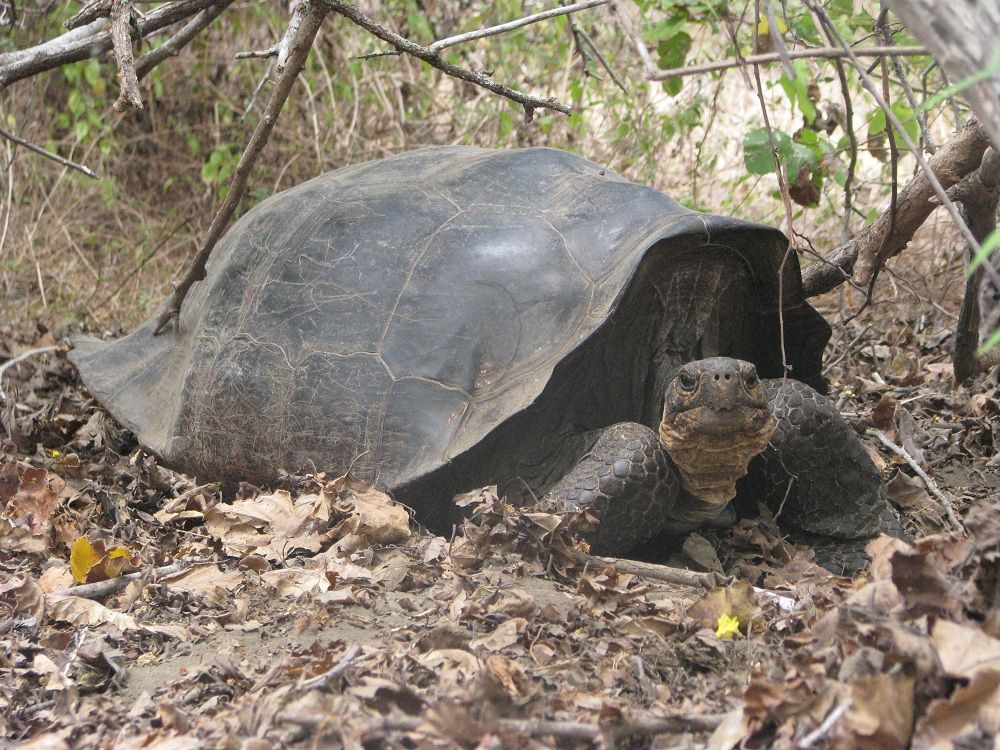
x,y
763,28
728,626
82,557
90,562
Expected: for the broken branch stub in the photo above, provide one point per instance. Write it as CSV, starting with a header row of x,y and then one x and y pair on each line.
x,y
979,195
311,22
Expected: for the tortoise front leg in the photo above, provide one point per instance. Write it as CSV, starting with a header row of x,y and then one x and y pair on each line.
x,y
629,481
817,478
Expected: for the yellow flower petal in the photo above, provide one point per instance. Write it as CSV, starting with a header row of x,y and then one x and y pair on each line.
x,y
728,626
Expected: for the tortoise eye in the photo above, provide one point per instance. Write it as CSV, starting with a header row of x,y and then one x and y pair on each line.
x,y
687,381
752,379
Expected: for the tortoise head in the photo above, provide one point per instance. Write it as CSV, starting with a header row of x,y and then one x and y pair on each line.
x,y
715,420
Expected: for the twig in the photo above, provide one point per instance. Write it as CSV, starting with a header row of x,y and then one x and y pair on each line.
x,y
237,188
114,585
866,266
402,44
646,725
511,25
928,482
181,39
320,681
602,60
49,155
826,53
20,358
625,21
283,47
823,729
778,41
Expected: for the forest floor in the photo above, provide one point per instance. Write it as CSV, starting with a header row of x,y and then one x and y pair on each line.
x,y
315,614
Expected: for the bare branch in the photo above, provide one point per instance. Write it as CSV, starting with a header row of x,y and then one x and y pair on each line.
x,y
825,53
89,41
314,15
88,13
48,154
402,44
511,25
282,48
179,40
627,25
868,263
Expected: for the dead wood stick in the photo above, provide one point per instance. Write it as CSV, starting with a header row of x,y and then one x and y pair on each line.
x,y
88,41
979,195
953,161
511,25
121,41
20,358
665,573
645,725
823,729
237,187
680,576
49,155
321,681
402,44
114,585
825,53
179,40
928,482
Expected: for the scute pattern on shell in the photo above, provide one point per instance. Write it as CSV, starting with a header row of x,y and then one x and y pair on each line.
x,y
389,315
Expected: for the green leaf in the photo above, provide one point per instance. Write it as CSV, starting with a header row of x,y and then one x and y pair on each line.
x,y
800,156
672,53
908,120
757,149
876,122
797,89
991,243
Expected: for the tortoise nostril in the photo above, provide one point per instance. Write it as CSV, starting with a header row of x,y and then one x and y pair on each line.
x,y
728,376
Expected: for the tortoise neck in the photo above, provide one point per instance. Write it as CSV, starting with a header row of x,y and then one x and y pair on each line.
x,y
710,464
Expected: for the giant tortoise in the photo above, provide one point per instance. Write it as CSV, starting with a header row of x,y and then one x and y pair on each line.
x,y
455,317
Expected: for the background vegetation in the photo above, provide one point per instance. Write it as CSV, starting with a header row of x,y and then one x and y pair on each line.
x,y
102,253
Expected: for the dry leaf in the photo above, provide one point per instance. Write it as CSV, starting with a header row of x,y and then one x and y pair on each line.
x,y
975,706
965,651
881,714
93,561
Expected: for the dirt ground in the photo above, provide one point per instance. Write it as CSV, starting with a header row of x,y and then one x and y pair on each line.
x,y
315,614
